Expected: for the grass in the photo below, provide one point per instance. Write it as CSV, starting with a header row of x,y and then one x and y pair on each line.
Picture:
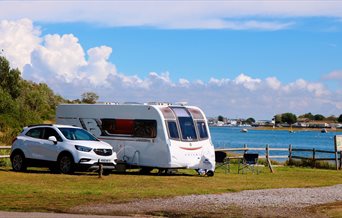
x,y
39,190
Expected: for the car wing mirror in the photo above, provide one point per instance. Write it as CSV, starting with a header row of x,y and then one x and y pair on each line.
x,y
53,139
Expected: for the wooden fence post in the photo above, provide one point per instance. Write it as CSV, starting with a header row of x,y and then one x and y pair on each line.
x,y
336,158
100,169
313,158
268,158
290,154
245,146
336,152
340,160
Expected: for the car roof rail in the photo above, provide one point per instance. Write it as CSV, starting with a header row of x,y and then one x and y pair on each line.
x,y
40,125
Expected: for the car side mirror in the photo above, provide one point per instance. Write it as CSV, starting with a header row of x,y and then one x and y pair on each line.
x,y
53,139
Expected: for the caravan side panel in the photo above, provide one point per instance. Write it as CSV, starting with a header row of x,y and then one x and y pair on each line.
x,y
135,150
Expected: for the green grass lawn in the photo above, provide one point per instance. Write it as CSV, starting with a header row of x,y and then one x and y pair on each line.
x,y
39,190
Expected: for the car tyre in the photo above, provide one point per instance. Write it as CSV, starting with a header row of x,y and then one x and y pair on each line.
x,y
18,162
66,164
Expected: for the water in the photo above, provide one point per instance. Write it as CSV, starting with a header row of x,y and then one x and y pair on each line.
x,y
230,137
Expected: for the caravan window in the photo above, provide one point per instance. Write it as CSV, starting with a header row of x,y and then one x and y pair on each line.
x,y
196,114
187,128
173,130
118,126
167,113
129,128
145,128
186,123
202,129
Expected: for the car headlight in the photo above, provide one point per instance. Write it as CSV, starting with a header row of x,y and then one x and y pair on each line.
x,y
83,148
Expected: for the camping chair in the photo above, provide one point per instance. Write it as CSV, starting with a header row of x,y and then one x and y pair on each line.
x,y
249,162
222,160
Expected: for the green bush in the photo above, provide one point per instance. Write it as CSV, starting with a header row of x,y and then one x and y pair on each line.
x,y
22,102
311,163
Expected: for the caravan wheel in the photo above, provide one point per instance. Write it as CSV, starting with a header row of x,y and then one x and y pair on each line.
x,y
210,173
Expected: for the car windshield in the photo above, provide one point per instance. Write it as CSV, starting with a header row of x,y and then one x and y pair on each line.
x,y
77,134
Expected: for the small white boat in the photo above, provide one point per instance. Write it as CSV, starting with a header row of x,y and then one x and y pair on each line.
x,y
244,130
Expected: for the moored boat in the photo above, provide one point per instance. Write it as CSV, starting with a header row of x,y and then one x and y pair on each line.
x,y
244,130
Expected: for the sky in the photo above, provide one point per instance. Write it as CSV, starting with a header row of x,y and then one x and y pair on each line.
x,y
238,59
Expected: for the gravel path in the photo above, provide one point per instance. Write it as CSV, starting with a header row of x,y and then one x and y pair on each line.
x,y
285,200
6,214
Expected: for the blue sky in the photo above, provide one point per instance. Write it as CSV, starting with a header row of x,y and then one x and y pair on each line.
x,y
217,53
233,58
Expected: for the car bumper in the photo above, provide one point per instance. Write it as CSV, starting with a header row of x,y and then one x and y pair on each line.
x,y
95,166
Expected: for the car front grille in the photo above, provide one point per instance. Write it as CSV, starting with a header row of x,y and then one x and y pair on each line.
x,y
103,152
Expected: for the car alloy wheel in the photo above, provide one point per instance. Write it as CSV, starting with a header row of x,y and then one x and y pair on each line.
x,y
18,162
66,164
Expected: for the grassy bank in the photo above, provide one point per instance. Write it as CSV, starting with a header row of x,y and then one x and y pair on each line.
x,y
39,190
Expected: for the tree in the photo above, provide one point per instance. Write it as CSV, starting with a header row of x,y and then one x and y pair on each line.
x,y
319,117
220,118
89,97
9,78
289,118
308,116
277,119
331,118
339,119
250,120
22,102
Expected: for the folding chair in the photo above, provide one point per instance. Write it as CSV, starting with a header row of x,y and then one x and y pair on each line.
x,y
222,160
248,162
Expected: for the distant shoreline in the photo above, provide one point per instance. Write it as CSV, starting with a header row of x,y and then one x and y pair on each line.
x,y
294,129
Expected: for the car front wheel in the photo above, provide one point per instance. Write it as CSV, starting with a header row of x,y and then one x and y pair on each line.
x,y
18,162
66,164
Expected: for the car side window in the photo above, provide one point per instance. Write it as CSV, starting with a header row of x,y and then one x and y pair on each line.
x,y
35,133
51,132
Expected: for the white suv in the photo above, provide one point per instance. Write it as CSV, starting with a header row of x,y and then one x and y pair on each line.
x,y
62,148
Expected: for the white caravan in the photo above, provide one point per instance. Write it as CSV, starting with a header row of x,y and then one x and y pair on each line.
x,y
153,135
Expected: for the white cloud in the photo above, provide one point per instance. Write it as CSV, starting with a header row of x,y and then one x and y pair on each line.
x,y
98,68
301,85
266,15
184,82
218,82
334,75
232,25
273,83
247,81
160,80
59,57
61,62
18,39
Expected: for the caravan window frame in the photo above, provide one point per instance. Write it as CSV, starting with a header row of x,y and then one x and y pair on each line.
x,y
199,132
169,132
184,111
134,132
